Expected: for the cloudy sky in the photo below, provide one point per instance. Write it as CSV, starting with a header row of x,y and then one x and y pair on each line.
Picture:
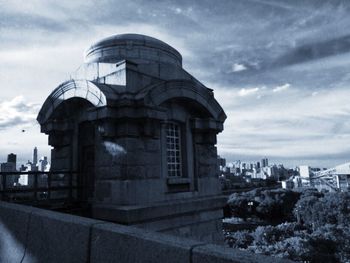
x,y
280,69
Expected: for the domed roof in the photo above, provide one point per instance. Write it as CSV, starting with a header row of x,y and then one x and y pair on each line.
x,y
134,47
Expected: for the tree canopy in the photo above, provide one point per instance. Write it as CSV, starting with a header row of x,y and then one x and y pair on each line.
x,y
318,229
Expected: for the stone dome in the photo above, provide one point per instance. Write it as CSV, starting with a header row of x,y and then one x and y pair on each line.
x,y
132,47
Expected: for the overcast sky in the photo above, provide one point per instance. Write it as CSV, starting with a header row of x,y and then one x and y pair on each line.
x,y
280,69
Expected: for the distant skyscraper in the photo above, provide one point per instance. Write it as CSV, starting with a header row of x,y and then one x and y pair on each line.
x,y
43,164
12,158
9,167
304,171
35,156
264,162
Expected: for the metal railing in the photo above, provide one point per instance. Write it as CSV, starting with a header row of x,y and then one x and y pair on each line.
x,y
39,188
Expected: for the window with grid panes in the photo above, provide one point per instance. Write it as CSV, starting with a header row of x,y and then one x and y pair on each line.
x,y
173,139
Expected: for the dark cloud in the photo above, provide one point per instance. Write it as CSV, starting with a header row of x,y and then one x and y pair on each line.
x,y
233,44
314,51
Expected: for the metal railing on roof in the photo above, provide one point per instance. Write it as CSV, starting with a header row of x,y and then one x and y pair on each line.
x,y
39,188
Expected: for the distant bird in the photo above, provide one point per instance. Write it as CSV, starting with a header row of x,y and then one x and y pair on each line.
x,y
23,130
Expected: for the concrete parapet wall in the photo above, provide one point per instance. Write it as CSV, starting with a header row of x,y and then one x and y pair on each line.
x,y
35,235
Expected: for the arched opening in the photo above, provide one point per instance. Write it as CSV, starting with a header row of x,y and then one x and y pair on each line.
x,y
78,147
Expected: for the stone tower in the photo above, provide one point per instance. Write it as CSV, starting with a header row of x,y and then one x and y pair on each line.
x,y
141,131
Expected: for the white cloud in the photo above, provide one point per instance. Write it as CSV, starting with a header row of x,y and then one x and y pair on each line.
x,y
298,126
17,112
178,10
248,92
281,88
238,67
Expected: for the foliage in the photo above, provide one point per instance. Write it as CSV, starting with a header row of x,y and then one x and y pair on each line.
x,y
271,205
303,209
334,239
240,205
289,240
321,233
239,239
315,210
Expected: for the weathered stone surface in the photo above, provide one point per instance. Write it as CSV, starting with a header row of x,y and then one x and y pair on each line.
x,y
135,172
103,191
128,129
153,171
205,138
152,145
33,235
208,171
60,164
134,144
60,139
55,237
209,186
14,221
61,152
135,214
128,192
206,230
103,158
142,158
108,172
115,243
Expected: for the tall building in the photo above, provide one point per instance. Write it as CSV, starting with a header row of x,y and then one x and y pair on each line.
x,y
35,156
10,179
25,179
304,171
12,158
221,161
264,162
43,164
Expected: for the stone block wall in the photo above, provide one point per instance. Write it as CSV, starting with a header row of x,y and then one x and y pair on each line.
x,y
61,158
132,175
34,235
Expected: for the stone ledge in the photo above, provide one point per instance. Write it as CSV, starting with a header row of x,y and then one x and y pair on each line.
x,y
178,180
37,235
127,244
14,220
56,237
139,214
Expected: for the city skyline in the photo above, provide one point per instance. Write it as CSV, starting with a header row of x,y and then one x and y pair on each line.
x,y
35,159
280,70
